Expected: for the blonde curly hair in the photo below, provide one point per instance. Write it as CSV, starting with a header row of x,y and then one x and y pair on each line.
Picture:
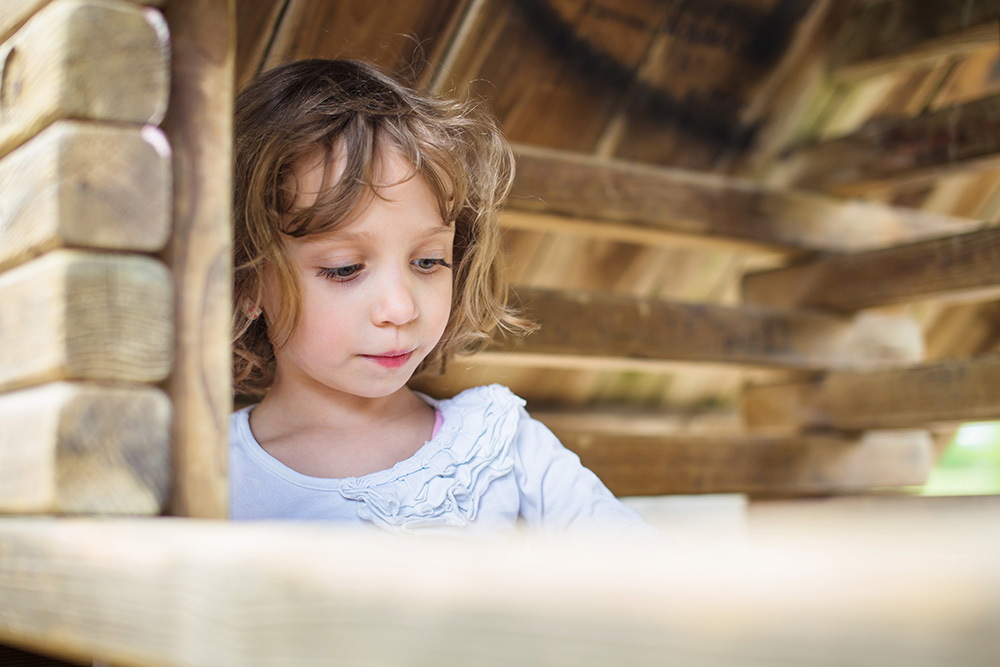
x,y
353,113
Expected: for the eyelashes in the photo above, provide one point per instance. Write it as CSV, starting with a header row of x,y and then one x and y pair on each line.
x,y
425,265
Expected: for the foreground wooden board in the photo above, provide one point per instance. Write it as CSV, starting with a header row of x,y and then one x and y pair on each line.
x,y
14,13
96,59
76,448
581,324
942,392
72,314
90,185
633,465
613,200
961,266
181,592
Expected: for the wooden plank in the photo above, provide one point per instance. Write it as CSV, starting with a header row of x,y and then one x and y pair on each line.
x,y
632,465
85,588
79,315
85,185
897,35
75,448
199,127
120,67
615,326
566,191
961,266
943,392
256,24
894,150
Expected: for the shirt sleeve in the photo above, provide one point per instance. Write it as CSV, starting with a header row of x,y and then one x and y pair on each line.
x,y
558,493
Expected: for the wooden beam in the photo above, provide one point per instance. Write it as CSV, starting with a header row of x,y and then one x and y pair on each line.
x,y
88,185
14,13
120,67
788,465
567,191
199,127
962,266
623,327
77,448
892,36
175,592
924,395
80,315
894,150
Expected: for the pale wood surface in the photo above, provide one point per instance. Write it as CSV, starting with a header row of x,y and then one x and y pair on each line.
x,y
634,202
178,592
88,185
951,267
120,67
69,448
72,314
635,465
946,391
199,127
13,13
613,326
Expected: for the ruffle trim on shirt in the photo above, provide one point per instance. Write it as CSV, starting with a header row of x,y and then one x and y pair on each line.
x,y
447,485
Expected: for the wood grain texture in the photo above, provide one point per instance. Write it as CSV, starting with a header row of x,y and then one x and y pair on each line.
x,y
943,392
260,595
199,127
87,185
634,465
951,267
896,150
80,315
84,449
90,59
13,13
638,203
574,323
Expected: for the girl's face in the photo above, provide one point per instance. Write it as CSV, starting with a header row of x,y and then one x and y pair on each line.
x,y
376,291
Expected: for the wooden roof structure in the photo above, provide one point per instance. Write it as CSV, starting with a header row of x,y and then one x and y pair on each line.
x,y
760,237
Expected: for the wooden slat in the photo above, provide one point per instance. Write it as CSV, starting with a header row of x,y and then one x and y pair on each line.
x,y
171,592
943,392
79,315
614,326
85,185
897,35
952,267
567,191
897,150
199,127
120,67
76,448
633,465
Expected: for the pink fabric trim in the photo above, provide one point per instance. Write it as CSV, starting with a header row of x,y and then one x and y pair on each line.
x,y
438,421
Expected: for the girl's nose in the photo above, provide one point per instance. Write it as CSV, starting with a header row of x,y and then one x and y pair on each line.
x,y
396,302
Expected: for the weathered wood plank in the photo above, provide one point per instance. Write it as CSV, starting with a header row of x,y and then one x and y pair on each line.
x,y
85,185
632,465
563,191
894,150
76,448
942,392
91,59
79,315
952,267
85,588
14,13
199,126
616,326
897,35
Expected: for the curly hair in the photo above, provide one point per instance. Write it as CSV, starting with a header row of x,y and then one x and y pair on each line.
x,y
353,113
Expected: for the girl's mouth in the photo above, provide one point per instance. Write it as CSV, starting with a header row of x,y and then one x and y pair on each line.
x,y
390,360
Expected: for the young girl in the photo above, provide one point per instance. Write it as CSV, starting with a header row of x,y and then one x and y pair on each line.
x,y
366,249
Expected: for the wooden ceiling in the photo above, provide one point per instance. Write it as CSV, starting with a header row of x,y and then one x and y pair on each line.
x,y
669,148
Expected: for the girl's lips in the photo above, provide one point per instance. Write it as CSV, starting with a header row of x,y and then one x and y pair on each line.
x,y
391,360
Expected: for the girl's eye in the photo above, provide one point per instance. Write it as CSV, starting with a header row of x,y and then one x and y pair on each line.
x,y
340,273
428,264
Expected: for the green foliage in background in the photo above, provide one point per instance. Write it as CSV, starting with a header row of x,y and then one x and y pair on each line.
x,y
971,463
